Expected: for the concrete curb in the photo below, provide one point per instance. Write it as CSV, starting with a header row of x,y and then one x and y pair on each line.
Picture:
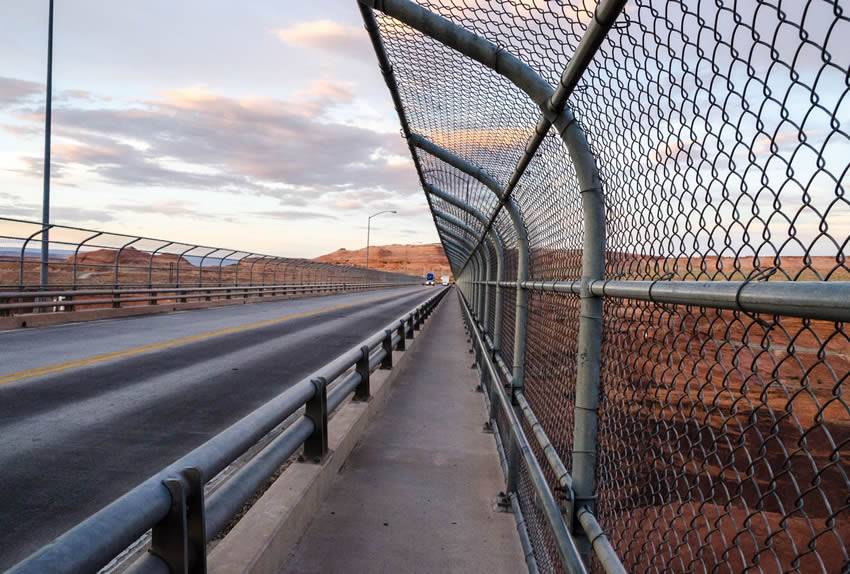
x,y
263,539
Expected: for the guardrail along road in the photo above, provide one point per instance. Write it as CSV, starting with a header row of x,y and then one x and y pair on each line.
x,y
89,410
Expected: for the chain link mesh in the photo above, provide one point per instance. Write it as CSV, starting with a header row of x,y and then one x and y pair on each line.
x,y
720,132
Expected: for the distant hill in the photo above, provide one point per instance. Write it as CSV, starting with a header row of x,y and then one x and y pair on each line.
x,y
410,259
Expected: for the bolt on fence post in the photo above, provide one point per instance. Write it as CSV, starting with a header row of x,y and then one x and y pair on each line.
x,y
387,344
316,445
363,391
179,539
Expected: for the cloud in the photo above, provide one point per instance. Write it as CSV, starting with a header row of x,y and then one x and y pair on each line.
x,y
289,215
14,91
321,95
348,203
326,35
57,212
174,208
194,138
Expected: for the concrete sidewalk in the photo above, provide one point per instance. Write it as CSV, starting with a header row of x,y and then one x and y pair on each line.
x,y
418,492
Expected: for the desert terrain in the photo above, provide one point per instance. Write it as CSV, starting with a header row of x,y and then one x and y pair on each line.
x,y
410,259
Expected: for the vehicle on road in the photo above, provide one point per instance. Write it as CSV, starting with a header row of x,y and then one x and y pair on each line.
x,y
444,280
429,278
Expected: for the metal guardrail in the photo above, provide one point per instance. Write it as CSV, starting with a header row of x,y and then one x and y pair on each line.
x,y
171,503
645,206
91,268
71,300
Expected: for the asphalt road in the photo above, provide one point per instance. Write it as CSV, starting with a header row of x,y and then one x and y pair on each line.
x,y
89,410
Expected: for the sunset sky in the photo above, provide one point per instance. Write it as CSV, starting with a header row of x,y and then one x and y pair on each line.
x,y
267,128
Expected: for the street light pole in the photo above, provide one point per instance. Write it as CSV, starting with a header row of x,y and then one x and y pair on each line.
x,y
48,113
369,231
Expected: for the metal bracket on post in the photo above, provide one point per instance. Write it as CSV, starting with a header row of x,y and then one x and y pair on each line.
x,y
179,539
387,344
363,392
316,445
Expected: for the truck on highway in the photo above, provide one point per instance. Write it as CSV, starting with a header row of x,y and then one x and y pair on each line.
x,y
429,278
444,279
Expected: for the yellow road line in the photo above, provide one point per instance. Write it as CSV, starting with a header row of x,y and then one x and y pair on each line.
x,y
96,359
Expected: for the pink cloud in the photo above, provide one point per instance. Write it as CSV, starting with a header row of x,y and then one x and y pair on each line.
x,y
324,35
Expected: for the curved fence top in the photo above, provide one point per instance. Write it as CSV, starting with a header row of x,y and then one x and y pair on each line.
x,y
80,257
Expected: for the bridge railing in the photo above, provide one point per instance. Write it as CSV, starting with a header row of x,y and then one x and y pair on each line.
x,y
173,504
645,205
89,269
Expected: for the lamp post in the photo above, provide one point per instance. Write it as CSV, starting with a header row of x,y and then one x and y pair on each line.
x,y
45,203
369,231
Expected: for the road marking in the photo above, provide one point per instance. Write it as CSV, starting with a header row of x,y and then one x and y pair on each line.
x,y
96,359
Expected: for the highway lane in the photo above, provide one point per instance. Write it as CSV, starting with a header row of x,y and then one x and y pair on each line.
x,y
89,410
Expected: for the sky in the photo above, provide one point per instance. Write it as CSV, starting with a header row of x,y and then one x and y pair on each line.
x,y
266,129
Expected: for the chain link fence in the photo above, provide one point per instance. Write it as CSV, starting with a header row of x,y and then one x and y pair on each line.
x,y
703,353
91,269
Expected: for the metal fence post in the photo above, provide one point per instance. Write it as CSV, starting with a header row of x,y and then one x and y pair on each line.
x,y
485,287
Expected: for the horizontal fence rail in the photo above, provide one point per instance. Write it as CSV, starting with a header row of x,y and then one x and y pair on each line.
x,y
89,269
172,503
644,204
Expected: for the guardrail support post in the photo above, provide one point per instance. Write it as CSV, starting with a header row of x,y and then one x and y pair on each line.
x,y
180,538
409,334
363,392
401,346
387,344
316,445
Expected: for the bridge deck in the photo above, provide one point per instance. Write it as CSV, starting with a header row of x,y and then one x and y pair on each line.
x,y
417,494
